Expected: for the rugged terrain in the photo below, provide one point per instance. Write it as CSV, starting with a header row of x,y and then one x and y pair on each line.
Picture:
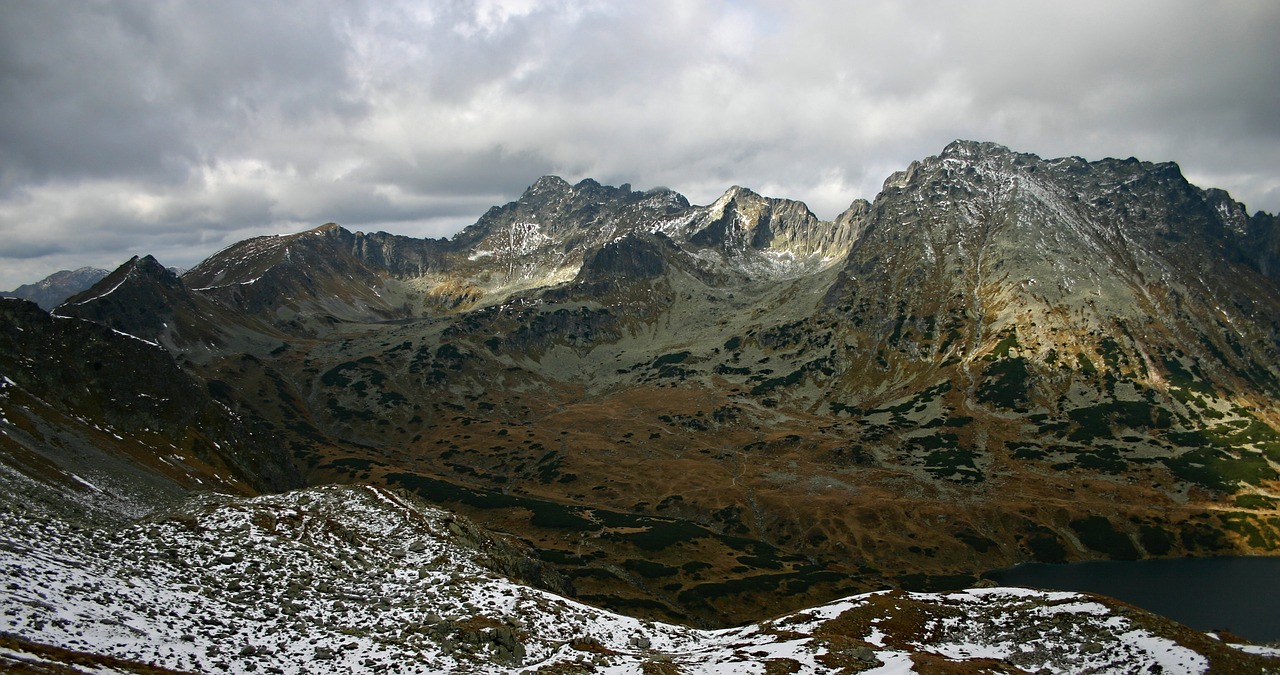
x,y
345,579
718,414
52,290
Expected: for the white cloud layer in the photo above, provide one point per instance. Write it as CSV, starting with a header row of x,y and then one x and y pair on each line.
x,y
175,128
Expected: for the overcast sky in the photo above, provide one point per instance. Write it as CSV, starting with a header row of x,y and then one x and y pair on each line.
x,y
176,128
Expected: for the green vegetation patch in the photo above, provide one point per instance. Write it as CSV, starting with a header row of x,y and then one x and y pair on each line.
x,y
670,359
785,583
791,379
1155,539
1105,459
1180,377
351,464
1085,366
1217,470
1202,537
1005,383
561,519
1025,450
1097,533
661,534
1246,431
1045,546
654,534
1257,533
650,569
975,541
954,464
1097,421
1255,501
334,377
545,514
1008,341
1111,353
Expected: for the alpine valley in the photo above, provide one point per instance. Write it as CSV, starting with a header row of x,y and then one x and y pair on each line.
x,y
605,430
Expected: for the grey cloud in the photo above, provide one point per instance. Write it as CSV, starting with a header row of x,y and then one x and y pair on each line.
x,y
146,89
182,125
483,170
24,250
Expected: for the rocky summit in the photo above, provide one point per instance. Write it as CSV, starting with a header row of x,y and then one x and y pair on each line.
x,y
773,443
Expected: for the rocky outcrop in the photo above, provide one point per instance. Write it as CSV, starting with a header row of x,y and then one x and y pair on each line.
x,y
742,221
1261,245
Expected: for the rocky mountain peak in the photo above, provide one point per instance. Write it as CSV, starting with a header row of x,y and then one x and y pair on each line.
x,y
961,148
134,274
150,267
742,221
144,299
736,194
554,192
57,287
545,184
1062,252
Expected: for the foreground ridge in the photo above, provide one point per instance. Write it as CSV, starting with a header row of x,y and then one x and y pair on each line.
x,y
363,579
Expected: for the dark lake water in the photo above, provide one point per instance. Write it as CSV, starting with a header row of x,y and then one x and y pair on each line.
x,y
1239,594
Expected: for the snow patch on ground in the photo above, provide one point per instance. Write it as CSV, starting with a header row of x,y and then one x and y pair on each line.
x,y
361,579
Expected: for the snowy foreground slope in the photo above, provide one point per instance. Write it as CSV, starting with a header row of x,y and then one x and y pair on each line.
x,y
362,579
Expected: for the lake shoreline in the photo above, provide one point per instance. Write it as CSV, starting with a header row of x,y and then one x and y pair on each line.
x,y
1238,594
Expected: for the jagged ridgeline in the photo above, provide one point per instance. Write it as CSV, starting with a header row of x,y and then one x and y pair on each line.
x,y
720,413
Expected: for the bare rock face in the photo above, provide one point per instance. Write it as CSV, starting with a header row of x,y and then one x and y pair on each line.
x,y
981,241
742,220
631,257
1261,245
57,287
544,237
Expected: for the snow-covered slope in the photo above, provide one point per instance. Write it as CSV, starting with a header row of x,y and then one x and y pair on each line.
x,y
362,579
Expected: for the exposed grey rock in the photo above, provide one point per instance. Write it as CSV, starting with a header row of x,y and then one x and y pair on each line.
x,y
57,287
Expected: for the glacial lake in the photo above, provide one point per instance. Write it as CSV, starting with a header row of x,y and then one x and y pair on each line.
x,y
1239,594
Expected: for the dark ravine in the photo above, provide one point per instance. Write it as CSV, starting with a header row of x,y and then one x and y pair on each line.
x,y
717,414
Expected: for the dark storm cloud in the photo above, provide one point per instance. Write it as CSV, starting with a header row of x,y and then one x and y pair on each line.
x,y
152,89
176,128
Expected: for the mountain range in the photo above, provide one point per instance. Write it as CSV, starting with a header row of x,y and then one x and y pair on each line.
x,y
703,415
52,290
